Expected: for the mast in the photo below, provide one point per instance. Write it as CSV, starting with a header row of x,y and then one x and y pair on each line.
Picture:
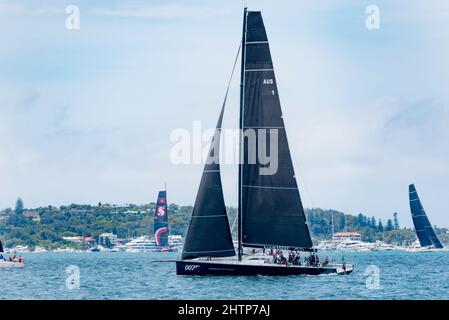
x,y
242,93
333,226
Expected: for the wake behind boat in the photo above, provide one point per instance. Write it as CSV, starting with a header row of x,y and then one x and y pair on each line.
x,y
11,262
270,212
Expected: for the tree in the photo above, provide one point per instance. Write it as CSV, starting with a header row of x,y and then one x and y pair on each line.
x,y
19,207
400,236
339,221
389,226
361,220
396,221
373,222
380,227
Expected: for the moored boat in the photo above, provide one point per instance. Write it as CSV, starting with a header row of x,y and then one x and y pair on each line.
x,y
9,263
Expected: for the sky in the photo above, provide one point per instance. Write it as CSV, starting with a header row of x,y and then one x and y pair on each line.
x,y
86,115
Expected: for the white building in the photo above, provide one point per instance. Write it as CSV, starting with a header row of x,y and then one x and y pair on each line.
x,y
76,239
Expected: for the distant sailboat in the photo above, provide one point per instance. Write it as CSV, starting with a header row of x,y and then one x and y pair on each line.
x,y
270,212
426,235
8,264
161,220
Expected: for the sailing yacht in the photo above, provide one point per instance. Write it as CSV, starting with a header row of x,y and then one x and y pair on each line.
x,y
8,264
162,242
428,240
161,221
270,212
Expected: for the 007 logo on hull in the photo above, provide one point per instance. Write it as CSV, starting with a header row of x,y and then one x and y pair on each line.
x,y
191,267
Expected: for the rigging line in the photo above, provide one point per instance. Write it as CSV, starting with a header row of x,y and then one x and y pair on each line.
x,y
224,103
232,74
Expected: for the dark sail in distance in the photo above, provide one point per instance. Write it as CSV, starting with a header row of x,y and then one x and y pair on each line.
x,y
1,247
426,235
161,220
271,209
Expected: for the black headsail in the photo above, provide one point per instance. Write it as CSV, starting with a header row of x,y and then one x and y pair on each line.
x,y
209,234
271,210
161,220
426,235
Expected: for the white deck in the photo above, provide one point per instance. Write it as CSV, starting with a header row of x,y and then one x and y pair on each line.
x,y
260,261
8,264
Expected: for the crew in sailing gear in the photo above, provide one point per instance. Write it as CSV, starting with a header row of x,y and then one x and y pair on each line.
x,y
311,259
290,257
297,260
283,259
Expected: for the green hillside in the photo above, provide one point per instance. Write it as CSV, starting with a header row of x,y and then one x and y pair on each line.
x,y
46,226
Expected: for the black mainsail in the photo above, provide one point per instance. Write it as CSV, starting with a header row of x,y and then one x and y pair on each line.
x,y
272,214
426,235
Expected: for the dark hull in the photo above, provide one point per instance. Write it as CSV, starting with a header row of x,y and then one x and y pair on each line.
x,y
204,268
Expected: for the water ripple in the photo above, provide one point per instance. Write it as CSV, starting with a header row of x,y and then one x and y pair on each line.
x,y
403,275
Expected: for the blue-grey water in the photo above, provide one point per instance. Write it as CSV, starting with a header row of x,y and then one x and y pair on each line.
x,y
402,275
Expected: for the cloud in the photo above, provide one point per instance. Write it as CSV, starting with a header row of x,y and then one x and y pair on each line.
x,y
421,114
14,8
86,116
420,126
165,11
27,101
